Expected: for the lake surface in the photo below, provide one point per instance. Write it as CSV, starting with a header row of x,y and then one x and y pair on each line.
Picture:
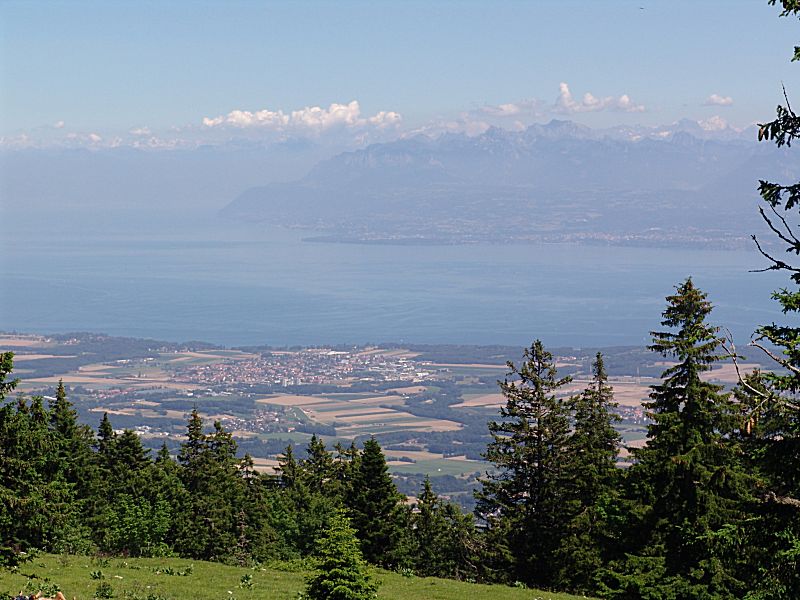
x,y
236,287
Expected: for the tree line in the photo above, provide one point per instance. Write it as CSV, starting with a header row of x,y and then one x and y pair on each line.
x,y
66,488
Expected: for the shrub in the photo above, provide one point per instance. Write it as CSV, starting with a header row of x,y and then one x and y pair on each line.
x,y
342,571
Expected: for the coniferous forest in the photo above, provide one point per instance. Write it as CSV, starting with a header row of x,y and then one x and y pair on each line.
x,y
709,508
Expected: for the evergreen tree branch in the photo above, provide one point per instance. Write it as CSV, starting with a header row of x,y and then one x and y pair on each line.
x,y
787,365
777,265
730,348
787,237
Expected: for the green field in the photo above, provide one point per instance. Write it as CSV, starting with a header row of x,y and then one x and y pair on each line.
x,y
440,466
139,578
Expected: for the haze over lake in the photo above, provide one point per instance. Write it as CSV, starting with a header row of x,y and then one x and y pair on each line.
x,y
239,286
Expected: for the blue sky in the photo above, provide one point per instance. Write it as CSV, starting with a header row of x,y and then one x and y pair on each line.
x,y
112,68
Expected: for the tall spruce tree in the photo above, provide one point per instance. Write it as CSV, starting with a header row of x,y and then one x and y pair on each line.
x,y
688,478
374,507
592,451
318,469
522,501
308,506
73,444
207,528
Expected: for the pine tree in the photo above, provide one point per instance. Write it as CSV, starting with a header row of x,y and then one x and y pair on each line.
x,y
342,571
73,442
522,502
428,532
63,415
345,464
318,468
592,451
105,439
193,452
688,478
309,509
374,507
442,537
207,526
166,485
288,468
129,465
75,470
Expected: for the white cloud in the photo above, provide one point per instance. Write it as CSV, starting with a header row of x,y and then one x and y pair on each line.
x,y
523,108
311,119
140,131
502,110
566,103
465,123
385,119
94,138
157,143
315,117
717,100
715,123
58,125
21,140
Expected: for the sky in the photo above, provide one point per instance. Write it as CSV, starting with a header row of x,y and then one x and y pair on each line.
x,y
169,72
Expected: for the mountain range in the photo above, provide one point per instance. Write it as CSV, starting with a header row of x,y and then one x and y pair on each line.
x,y
559,181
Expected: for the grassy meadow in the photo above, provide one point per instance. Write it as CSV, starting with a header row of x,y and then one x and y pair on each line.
x,y
85,578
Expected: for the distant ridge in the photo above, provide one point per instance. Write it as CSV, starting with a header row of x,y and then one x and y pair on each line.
x,y
559,181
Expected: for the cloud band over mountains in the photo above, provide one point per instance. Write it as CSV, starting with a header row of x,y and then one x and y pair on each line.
x,y
311,119
343,125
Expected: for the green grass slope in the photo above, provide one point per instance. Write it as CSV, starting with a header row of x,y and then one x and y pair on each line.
x,y
166,579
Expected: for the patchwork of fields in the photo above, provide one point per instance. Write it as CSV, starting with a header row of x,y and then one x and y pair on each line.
x,y
270,398
360,414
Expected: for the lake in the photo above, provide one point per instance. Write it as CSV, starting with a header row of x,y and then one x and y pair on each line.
x,y
237,286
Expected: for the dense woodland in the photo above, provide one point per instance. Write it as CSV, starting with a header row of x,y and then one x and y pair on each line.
x,y
709,508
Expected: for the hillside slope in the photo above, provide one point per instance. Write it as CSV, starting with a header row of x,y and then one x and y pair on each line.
x,y
140,579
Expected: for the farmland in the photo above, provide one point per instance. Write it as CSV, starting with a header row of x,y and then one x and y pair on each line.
x,y
428,406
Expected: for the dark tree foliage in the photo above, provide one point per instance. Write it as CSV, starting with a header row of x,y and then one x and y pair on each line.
x,y
373,504
40,505
442,538
592,451
342,573
688,479
523,501
211,475
307,507
319,470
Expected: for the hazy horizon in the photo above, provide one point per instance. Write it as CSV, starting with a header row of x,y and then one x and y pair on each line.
x,y
369,172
